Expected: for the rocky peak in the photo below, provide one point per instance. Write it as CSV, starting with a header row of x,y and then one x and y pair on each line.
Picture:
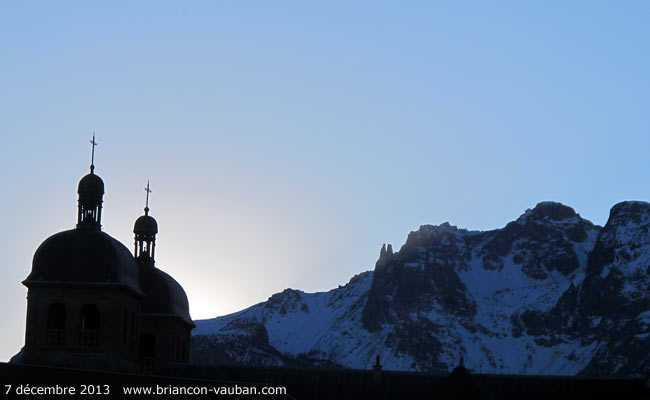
x,y
285,301
626,212
429,234
549,237
550,211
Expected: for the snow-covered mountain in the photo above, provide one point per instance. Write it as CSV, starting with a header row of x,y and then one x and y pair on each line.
x,y
550,293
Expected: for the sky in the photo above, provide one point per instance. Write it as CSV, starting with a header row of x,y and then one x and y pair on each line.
x,y
286,141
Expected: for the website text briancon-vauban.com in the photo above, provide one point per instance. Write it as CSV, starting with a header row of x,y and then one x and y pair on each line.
x,y
204,390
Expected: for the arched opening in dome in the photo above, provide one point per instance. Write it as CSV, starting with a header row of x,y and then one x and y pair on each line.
x,y
55,323
147,345
56,316
90,317
90,324
147,352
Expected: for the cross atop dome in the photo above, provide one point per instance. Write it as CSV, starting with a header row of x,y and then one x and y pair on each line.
x,y
92,156
146,206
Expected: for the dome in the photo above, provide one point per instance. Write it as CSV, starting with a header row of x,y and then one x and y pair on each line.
x,y
91,184
145,225
82,256
165,296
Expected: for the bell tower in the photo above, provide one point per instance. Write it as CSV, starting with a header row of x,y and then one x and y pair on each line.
x,y
91,192
145,230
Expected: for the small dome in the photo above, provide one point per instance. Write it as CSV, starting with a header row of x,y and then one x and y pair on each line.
x,y
145,225
91,184
165,296
84,256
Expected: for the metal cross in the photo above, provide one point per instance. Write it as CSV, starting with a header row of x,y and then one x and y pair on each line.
x,y
92,159
148,191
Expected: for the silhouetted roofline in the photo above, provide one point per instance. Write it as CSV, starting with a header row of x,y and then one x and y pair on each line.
x,y
165,315
41,283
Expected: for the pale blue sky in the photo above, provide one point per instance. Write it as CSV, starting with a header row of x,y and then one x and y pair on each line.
x,y
286,141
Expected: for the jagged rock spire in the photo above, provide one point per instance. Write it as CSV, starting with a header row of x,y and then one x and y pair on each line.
x,y
386,251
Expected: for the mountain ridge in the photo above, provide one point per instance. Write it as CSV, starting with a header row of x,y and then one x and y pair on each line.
x,y
522,299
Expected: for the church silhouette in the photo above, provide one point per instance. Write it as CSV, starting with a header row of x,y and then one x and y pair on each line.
x,y
91,304
97,313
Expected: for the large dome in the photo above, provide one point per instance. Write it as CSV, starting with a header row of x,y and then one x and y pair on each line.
x,y
165,296
82,256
